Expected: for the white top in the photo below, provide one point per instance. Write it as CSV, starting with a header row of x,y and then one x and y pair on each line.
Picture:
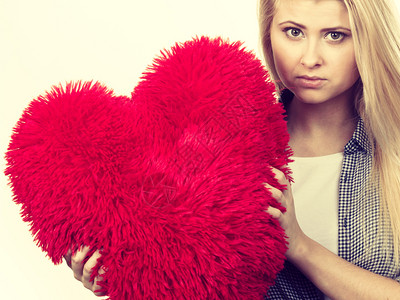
x,y
316,197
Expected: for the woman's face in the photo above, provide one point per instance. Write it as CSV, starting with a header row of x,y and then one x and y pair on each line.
x,y
313,49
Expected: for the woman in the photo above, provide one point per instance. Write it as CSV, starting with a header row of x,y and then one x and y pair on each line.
x,y
338,63
341,61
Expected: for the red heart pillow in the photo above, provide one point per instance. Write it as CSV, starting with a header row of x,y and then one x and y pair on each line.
x,y
168,183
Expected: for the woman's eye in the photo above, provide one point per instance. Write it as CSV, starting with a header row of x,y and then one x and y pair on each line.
x,y
293,32
335,36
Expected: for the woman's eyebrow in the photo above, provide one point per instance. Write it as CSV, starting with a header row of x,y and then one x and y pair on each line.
x,y
301,26
336,28
293,23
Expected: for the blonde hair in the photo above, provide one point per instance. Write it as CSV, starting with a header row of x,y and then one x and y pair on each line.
x,y
376,35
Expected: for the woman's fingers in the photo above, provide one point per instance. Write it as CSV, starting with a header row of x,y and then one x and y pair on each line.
x,y
83,268
274,212
67,257
275,193
87,270
280,176
96,287
77,262
287,220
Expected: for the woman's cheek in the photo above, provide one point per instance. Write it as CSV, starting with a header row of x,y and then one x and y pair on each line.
x,y
283,67
285,56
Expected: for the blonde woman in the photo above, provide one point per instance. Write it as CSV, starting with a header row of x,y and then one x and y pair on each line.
x,y
338,65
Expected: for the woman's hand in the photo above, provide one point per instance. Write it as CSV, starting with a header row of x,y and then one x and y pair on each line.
x,y
288,219
83,269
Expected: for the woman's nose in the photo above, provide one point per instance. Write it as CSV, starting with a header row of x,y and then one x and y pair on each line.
x,y
311,57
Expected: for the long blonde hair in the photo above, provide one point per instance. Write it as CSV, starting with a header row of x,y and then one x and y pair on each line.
x,y
376,33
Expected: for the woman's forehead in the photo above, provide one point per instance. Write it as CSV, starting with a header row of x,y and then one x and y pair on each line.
x,y
313,13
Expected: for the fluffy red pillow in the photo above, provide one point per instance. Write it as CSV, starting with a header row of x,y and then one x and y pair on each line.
x,y
167,182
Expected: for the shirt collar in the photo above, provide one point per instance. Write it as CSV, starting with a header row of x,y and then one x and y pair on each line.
x,y
359,140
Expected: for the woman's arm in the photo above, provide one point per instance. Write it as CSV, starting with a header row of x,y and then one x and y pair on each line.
x,y
334,276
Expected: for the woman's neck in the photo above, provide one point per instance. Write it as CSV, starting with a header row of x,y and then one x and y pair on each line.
x,y
320,129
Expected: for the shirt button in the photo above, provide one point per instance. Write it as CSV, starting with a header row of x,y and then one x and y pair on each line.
x,y
345,222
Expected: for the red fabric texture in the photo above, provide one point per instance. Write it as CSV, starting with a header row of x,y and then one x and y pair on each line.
x,y
167,182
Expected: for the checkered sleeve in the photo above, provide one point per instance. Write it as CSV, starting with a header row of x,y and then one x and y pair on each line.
x,y
291,284
363,239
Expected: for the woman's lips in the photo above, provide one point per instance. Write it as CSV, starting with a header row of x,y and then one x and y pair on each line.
x,y
310,82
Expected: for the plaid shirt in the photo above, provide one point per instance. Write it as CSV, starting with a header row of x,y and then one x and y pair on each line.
x,y
360,241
